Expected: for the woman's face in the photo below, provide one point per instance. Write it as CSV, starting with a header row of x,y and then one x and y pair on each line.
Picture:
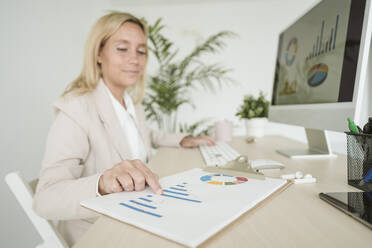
x,y
123,57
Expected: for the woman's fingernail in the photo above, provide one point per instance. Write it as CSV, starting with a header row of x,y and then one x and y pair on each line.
x,y
159,192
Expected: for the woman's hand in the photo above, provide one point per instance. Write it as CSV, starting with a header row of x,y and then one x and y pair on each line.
x,y
189,141
128,175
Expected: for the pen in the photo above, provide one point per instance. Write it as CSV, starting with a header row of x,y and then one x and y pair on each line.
x,y
368,177
352,127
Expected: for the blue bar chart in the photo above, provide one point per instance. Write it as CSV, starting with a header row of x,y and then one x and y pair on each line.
x,y
146,204
321,47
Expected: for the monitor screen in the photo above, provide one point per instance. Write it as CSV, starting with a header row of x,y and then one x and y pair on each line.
x,y
317,55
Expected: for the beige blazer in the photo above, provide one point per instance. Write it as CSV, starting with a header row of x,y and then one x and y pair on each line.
x,y
85,139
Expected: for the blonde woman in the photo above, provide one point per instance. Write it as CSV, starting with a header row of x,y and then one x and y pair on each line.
x,y
99,143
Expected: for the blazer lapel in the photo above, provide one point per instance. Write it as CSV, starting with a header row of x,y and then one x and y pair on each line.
x,y
110,121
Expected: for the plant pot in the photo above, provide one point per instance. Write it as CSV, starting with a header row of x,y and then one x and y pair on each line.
x,y
255,127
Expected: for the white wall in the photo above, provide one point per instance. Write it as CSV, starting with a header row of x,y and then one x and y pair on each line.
x,y
41,52
41,49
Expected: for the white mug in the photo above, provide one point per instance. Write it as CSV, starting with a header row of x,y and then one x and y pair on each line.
x,y
223,131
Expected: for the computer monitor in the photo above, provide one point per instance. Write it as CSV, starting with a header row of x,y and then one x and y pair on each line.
x,y
321,70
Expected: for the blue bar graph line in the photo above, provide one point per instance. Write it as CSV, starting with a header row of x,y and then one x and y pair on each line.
x,y
321,36
142,204
144,199
140,210
180,185
334,40
174,192
177,189
180,198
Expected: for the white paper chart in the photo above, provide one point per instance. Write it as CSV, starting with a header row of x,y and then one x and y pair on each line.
x,y
194,205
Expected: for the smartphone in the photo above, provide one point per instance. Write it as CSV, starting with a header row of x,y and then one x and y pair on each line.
x,y
356,204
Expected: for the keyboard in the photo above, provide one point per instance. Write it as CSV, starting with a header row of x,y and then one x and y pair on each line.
x,y
219,154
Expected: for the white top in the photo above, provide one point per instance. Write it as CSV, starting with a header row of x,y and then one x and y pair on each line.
x,y
128,122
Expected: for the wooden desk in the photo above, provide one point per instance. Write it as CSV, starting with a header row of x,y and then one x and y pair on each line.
x,y
294,218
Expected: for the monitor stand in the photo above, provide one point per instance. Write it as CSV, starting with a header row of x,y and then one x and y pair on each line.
x,y
318,146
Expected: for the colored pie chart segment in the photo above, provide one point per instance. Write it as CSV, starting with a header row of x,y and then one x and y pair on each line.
x,y
222,179
317,74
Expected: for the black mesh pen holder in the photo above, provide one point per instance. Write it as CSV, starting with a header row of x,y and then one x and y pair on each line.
x,y
359,160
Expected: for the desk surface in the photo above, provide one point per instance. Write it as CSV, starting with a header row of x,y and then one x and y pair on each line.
x,y
296,217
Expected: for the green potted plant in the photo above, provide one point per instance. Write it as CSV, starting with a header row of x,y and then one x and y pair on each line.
x,y
254,111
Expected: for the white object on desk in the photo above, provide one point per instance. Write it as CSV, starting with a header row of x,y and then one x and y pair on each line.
x,y
299,175
304,180
299,178
223,131
288,176
308,176
194,206
219,154
262,164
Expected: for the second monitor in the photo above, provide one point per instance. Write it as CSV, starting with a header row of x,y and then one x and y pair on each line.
x,y
321,71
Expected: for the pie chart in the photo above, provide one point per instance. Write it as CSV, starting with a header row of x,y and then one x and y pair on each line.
x,y
291,51
317,74
223,179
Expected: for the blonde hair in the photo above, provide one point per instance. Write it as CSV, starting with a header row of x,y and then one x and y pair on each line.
x,y
90,74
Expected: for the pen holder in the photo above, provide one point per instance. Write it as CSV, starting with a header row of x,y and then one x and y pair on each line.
x,y
359,160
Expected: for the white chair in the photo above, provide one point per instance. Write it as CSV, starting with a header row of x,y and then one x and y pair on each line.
x,y
24,192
